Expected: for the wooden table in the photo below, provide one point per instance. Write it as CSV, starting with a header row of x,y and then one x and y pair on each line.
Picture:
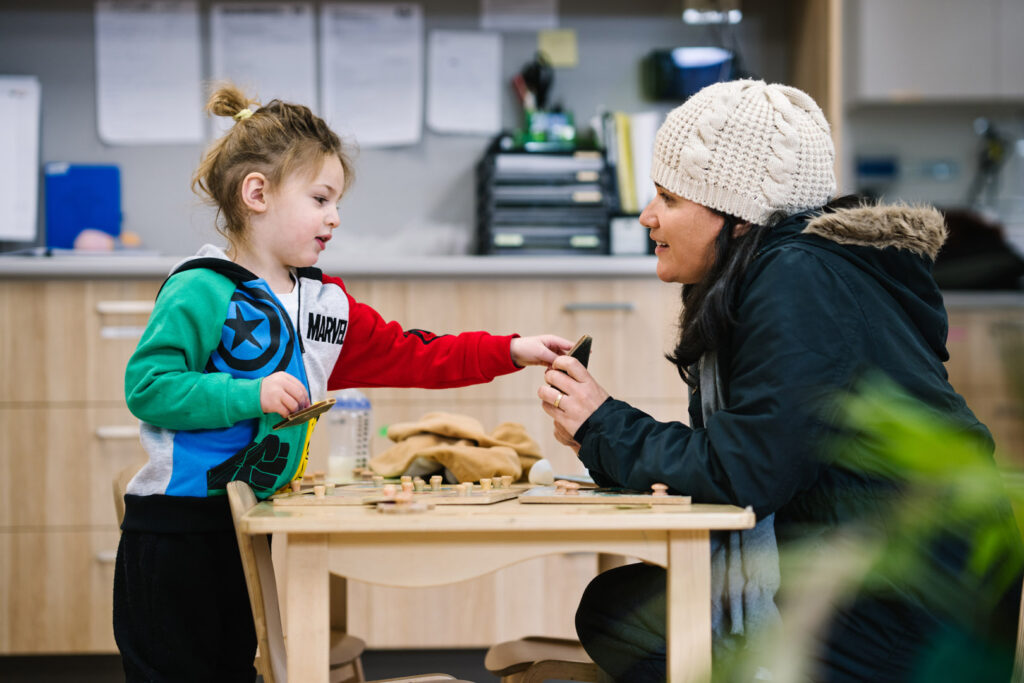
x,y
458,542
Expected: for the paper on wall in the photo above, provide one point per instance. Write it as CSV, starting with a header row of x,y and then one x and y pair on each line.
x,y
643,128
464,82
147,72
19,164
372,71
267,49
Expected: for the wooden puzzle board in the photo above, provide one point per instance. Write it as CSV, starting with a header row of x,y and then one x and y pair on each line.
x,y
599,496
368,494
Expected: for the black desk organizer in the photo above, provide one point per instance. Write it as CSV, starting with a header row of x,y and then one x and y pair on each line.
x,y
544,203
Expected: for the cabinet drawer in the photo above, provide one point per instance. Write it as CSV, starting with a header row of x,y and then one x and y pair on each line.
x,y
69,341
56,591
633,323
61,463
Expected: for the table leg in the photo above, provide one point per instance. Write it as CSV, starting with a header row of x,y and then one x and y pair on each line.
x,y
307,638
688,609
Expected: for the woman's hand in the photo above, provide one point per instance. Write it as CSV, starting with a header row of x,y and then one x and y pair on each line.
x,y
570,396
540,350
283,394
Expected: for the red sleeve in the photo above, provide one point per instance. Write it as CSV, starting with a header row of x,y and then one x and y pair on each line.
x,y
377,353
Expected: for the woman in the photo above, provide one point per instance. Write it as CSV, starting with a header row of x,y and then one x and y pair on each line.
x,y
788,296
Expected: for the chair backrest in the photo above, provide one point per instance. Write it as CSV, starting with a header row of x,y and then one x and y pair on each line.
x,y
120,484
259,579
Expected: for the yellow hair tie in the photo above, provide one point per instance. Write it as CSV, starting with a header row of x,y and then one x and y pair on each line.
x,y
243,115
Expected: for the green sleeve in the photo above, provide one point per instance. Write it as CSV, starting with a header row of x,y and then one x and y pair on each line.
x,y
164,382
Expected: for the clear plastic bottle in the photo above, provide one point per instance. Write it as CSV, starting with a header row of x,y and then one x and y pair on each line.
x,y
349,425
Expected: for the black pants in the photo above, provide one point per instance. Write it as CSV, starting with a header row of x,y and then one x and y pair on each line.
x,y
181,609
621,624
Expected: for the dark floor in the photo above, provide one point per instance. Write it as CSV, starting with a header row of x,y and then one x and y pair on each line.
x,y
464,664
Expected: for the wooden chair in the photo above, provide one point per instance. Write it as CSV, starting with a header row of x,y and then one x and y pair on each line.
x,y
346,650
120,484
534,659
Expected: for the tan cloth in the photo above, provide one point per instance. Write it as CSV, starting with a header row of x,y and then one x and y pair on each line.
x,y
459,443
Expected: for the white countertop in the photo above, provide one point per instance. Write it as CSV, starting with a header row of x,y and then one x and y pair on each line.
x,y
126,266
150,266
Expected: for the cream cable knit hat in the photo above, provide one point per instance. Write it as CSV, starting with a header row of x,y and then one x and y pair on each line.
x,y
748,149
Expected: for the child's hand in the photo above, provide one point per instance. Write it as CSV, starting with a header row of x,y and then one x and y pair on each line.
x,y
283,394
539,350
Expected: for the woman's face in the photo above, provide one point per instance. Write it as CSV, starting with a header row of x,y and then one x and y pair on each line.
x,y
685,233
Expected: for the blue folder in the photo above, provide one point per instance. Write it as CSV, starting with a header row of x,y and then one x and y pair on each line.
x,y
80,196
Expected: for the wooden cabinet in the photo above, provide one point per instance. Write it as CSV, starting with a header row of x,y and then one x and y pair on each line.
x,y
64,435
937,49
55,588
632,321
986,366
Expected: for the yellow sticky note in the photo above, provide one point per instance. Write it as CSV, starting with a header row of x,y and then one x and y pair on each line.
x,y
559,46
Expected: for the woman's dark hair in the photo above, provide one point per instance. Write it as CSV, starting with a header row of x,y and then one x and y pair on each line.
x,y
709,306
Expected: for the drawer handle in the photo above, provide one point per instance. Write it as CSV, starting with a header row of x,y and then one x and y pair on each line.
x,y
122,331
124,307
577,306
117,432
106,556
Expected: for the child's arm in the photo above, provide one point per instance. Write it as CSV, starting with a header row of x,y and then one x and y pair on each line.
x,y
377,353
164,382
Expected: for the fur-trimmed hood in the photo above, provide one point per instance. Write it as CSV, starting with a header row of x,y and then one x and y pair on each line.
x,y
918,229
874,248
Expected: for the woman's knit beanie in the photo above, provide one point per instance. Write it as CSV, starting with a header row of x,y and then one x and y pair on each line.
x,y
748,149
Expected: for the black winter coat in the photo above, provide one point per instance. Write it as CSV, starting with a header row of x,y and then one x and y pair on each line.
x,y
828,298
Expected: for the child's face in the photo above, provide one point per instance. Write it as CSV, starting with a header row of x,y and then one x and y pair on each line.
x,y
301,214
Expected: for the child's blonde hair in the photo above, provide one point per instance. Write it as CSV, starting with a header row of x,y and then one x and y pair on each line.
x,y
274,140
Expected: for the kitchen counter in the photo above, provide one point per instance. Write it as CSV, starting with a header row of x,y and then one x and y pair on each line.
x,y
151,266
125,266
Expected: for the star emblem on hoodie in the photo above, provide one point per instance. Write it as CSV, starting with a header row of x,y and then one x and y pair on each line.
x,y
243,329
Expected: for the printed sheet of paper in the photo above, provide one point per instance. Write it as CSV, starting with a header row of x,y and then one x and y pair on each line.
x,y
268,49
372,71
643,127
464,81
147,72
518,15
19,162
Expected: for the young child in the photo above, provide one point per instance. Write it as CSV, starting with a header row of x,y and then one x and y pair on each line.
x,y
238,339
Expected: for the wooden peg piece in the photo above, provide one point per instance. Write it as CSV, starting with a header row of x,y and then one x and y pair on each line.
x,y
320,491
296,485
506,481
435,482
485,484
388,491
659,489
406,487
